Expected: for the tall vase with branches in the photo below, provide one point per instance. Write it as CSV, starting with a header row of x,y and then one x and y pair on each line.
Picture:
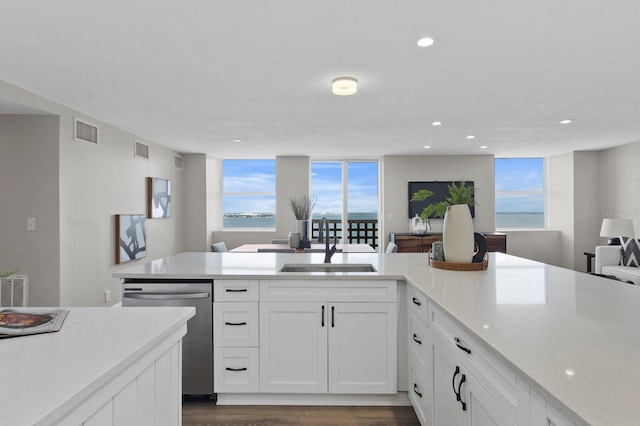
x,y
302,206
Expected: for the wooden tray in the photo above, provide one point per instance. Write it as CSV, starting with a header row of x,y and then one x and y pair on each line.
x,y
452,266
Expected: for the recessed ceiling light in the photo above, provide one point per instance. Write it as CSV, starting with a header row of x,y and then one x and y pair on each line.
x,y
344,86
483,147
569,372
437,123
427,146
425,42
237,140
567,121
471,137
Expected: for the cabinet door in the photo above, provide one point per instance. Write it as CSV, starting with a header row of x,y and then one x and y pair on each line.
x,y
293,347
447,410
362,348
474,407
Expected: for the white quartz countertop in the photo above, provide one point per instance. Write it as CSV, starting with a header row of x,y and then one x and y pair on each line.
x,y
46,375
573,337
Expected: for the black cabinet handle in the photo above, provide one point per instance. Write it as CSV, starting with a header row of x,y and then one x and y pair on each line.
x,y
322,315
234,290
453,383
415,339
415,390
235,323
459,345
464,404
236,369
333,316
416,301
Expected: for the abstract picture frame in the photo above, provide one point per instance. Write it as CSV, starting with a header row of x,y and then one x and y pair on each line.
x,y
158,198
131,237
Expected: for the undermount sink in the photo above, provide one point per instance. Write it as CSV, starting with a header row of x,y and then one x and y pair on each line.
x,y
328,267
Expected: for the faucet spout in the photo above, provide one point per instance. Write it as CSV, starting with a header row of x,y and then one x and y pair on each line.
x,y
324,228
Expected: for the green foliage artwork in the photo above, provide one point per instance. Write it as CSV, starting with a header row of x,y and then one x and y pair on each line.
x,y
458,194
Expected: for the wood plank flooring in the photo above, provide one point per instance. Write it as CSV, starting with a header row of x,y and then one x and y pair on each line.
x,y
205,413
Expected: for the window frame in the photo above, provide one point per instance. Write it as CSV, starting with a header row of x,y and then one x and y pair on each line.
x,y
543,192
247,193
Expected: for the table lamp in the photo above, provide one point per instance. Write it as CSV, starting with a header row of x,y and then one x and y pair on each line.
x,y
614,228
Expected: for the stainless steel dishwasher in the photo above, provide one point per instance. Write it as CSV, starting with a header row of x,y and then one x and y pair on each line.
x,y
197,345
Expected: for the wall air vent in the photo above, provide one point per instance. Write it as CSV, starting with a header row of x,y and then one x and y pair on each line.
x,y
178,162
141,150
84,131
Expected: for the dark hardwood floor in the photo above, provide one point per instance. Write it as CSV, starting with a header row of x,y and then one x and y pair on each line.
x,y
206,413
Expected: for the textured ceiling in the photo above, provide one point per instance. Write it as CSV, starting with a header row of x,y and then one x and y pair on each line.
x,y
195,75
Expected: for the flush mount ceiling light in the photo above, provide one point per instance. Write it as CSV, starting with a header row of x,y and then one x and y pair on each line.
x,y
344,86
425,42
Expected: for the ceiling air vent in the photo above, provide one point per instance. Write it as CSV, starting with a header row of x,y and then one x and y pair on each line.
x,y
141,150
178,162
84,131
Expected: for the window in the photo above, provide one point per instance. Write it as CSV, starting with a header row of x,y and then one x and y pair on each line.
x,y
347,193
248,194
520,196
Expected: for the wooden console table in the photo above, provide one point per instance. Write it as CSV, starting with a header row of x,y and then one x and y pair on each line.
x,y
412,243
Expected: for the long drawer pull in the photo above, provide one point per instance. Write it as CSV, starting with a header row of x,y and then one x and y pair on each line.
x,y
236,369
235,323
415,390
460,346
464,404
236,290
415,339
416,301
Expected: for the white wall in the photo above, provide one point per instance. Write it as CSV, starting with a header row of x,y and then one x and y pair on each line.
x,y
560,205
96,182
399,170
29,189
586,206
620,185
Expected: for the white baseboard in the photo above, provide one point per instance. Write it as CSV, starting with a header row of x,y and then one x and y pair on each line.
x,y
399,399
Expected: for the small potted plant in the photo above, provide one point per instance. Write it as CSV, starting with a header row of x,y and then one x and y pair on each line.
x,y
5,274
302,206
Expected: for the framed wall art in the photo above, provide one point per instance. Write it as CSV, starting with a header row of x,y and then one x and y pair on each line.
x,y
131,237
158,198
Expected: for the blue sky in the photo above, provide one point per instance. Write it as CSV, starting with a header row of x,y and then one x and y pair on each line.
x,y
326,184
519,174
524,174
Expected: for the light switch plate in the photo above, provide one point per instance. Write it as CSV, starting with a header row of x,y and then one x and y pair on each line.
x,y
31,224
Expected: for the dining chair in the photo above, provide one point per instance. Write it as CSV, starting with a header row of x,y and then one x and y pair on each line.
x,y
391,248
219,247
276,250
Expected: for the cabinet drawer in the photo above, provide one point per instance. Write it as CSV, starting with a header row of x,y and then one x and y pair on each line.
x,y
418,340
236,291
235,324
236,370
421,395
491,373
328,290
417,301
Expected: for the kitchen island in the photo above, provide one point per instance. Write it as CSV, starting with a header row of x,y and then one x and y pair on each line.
x,y
563,344
105,366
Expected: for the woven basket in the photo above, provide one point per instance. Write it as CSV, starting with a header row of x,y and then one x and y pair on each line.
x,y
453,266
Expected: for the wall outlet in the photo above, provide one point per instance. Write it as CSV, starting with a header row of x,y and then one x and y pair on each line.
x,y
107,296
31,224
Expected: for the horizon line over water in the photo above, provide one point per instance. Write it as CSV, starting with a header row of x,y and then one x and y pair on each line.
x,y
268,220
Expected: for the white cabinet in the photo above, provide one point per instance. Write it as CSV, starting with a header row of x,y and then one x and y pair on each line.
x,y
333,336
545,414
420,358
235,336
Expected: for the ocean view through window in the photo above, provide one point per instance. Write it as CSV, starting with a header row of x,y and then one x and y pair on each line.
x,y
347,194
248,194
519,191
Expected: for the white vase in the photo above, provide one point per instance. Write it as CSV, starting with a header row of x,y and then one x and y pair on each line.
x,y
457,234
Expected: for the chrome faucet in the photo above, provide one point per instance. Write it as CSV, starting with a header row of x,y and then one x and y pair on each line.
x,y
324,227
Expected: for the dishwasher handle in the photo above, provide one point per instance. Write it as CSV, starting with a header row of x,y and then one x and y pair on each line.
x,y
165,296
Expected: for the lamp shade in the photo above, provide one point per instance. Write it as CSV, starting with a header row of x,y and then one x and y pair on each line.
x,y
616,228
